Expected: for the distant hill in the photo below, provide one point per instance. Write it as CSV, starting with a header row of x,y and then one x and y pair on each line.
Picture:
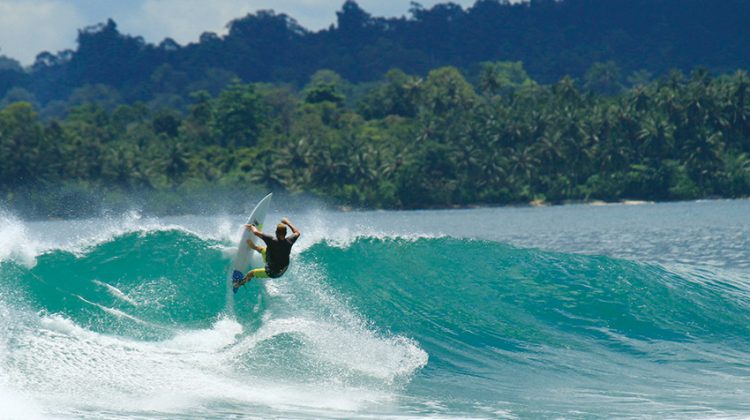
x,y
639,38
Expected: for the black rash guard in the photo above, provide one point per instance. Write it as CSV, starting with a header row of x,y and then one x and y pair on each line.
x,y
277,254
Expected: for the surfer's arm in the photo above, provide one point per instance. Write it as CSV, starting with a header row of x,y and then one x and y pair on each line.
x,y
252,228
291,226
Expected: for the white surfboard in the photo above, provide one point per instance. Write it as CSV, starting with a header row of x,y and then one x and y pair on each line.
x,y
246,258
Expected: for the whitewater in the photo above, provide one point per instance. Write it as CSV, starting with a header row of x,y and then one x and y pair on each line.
x,y
574,311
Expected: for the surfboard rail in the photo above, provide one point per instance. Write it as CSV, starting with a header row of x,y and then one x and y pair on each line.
x,y
246,258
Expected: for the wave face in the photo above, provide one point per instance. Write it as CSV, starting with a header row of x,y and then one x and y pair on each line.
x,y
515,329
143,323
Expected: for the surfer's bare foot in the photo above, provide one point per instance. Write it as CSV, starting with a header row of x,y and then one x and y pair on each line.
x,y
237,284
243,282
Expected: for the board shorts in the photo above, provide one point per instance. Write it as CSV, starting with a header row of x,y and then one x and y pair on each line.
x,y
266,273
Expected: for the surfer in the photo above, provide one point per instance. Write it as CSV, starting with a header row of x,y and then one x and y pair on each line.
x,y
275,253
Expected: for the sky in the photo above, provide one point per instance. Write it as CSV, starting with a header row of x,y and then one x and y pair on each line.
x,y
28,27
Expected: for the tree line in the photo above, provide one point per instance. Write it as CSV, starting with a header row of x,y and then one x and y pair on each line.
x,y
404,141
553,38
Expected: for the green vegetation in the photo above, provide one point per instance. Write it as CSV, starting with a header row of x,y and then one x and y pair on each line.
x,y
553,38
403,142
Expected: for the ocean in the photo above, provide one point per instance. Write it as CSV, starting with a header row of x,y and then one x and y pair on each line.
x,y
579,311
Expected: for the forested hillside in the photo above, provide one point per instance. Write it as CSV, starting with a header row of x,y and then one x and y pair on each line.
x,y
640,38
368,114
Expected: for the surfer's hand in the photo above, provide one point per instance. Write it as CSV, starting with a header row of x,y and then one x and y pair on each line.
x,y
250,226
285,221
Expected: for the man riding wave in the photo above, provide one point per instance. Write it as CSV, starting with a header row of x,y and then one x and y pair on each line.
x,y
275,253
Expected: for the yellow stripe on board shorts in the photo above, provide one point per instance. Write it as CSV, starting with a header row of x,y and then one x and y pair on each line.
x,y
261,272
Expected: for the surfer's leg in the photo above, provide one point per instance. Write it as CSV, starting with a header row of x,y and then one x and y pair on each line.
x,y
257,273
237,285
247,278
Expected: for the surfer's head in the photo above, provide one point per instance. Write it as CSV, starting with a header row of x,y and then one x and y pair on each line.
x,y
281,230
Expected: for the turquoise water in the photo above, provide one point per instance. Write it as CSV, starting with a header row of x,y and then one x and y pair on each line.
x,y
574,312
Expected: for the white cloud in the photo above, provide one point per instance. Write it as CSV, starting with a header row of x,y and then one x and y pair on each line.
x,y
185,20
29,27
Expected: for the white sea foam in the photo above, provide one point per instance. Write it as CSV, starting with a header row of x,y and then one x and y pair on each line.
x,y
361,351
116,292
224,333
319,229
332,332
15,243
116,312
71,369
15,403
25,241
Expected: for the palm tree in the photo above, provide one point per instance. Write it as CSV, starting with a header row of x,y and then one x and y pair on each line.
x,y
737,174
656,138
522,165
175,160
269,172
